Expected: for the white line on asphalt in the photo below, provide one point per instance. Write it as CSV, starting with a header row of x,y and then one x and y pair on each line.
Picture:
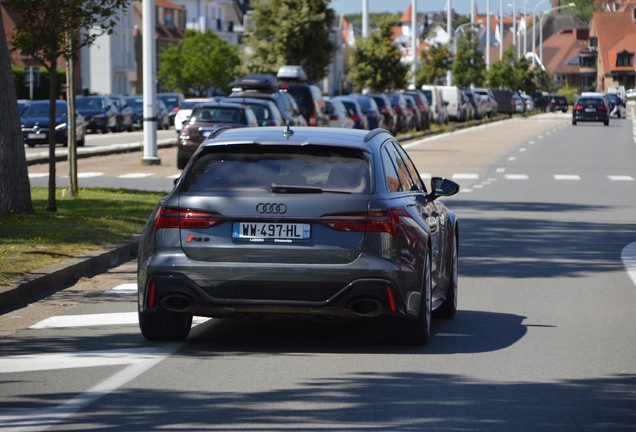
x,y
127,288
465,176
540,137
135,175
38,420
629,260
531,142
620,178
38,175
89,174
512,158
425,176
522,149
65,321
174,176
516,177
566,177
459,132
501,170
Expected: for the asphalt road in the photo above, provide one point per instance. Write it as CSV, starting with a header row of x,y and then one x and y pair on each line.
x,y
543,340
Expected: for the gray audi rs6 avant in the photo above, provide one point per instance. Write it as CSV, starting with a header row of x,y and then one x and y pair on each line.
x,y
318,221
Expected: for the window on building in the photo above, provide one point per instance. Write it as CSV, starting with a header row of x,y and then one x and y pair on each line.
x,y
588,62
168,18
625,58
594,41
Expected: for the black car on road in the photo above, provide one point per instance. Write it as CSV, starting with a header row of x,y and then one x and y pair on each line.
x,y
591,108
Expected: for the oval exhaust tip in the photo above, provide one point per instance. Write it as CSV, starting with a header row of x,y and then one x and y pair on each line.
x,y
176,302
366,307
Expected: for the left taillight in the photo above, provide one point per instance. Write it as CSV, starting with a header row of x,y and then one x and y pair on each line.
x,y
376,221
185,133
185,219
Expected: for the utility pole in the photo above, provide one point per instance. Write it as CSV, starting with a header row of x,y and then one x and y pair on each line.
x,y
150,87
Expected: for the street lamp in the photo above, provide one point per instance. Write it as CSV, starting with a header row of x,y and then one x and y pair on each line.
x,y
525,25
534,33
570,5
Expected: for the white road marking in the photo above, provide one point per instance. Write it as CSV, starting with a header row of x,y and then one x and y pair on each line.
x,y
512,158
89,174
478,186
522,149
135,175
425,176
174,176
531,142
629,260
466,190
540,137
69,360
38,175
566,177
620,178
65,321
501,170
129,288
465,176
38,420
516,177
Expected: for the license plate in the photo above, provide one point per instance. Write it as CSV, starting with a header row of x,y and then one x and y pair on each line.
x,y
590,109
271,232
36,136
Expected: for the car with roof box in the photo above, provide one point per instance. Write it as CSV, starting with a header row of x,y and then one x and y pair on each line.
x,y
305,222
308,96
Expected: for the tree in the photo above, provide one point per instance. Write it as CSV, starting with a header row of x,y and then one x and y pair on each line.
x,y
469,66
41,34
290,32
583,9
512,73
377,61
15,191
436,61
199,62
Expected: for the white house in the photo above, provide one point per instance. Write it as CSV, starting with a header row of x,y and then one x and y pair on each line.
x,y
107,65
224,17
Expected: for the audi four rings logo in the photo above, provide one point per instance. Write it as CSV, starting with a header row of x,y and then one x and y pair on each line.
x,y
271,208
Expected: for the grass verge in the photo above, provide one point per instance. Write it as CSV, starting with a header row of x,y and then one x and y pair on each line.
x,y
95,218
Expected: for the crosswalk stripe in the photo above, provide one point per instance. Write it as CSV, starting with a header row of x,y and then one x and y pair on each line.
x,y
135,175
620,178
128,288
566,177
465,176
516,177
65,321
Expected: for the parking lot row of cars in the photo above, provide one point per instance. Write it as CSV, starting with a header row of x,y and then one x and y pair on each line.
x,y
104,114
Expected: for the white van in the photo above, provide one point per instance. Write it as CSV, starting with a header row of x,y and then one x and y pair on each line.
x,y
436,102
453,95
620,91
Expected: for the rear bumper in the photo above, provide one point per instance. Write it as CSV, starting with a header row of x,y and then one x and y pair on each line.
x,y
365,288
590,117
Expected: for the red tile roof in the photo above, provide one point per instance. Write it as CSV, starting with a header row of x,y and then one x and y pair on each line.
x,y
408,15
559,48
628,43
168,4
611,28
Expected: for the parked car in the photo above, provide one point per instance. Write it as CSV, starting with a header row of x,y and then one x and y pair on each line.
x,y
426,117
308,96
390,117
136,104
35,124
559,102
22,103
125,119
417,115
529,102
470,109
505,101
542,101
616,105
489,100
266,111
360,120
185,110
370,109
436,102
163,115
263,223
338,114
520,106
173,102
590,108
207,118
406,119
455,109
266,86
100,113
479,106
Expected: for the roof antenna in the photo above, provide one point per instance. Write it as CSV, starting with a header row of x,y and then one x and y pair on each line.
x,y
288,133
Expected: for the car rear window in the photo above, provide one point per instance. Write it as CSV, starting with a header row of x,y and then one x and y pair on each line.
x,y
218,115
590,101
256,168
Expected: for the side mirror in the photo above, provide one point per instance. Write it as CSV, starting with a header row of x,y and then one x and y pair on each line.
x,y
441,186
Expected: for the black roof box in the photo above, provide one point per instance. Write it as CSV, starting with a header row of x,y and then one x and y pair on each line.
x,y
257,82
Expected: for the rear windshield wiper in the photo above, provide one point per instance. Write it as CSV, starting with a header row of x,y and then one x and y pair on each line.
x,y
302,189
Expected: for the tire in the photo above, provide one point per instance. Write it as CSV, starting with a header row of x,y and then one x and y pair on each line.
x,y
406,331
448,308
165,326
574,122
81,142
606,123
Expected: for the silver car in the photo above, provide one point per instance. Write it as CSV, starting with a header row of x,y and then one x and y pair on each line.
x,y
326,222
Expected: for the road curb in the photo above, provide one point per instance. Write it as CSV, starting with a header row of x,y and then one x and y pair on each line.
x,y
32,286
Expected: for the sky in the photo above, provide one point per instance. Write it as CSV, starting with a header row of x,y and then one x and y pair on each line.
x,y
460,6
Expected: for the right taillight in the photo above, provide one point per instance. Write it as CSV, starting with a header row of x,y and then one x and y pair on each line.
x,y
376,221
185,219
